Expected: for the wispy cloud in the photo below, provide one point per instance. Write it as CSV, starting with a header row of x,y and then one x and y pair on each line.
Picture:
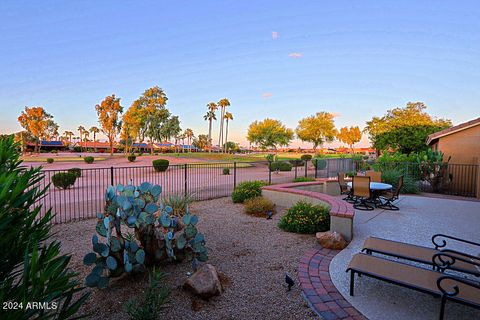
x,y
336,114
295,55
267,95
274,35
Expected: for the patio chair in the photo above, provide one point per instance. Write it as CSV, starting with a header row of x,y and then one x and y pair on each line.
x,y
424,255
390,196
344,188
435,283
375,176
361,193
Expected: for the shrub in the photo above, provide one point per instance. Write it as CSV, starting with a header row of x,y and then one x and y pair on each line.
x,y
77,149
27,241
303,179
297,162
131,157
280,166
64,180
76,171
226,171
247,190
319,163
306,157
54,151
160,165
350,174
140,154
391,176
259,206
89,159
155,234
178,202
49,160
153,301
305,217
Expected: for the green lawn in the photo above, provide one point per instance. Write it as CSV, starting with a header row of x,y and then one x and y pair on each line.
x,y
57,159
221,157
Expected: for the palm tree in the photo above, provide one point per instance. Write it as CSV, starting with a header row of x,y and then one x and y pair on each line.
x,y
209,116
228,116
94,130
69,134
81,129
189,134
223,103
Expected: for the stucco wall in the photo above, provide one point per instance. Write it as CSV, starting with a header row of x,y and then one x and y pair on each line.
x,y
462,146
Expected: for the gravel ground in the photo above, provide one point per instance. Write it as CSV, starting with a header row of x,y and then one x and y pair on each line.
x,y
252,254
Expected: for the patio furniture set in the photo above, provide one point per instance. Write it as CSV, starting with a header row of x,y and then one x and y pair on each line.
x,y
434,278
367,192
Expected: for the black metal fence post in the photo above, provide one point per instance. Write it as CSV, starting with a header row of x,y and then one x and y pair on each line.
x,y
111,175
315,166
234,174
269,172
306,168
185,178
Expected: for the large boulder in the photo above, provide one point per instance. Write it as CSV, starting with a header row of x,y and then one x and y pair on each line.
x,y
204,282
331,240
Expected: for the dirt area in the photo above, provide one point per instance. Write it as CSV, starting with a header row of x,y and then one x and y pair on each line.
x,y
252,253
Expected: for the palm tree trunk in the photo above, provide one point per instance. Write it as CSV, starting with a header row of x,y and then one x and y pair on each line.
x,y
210,135
226,136
220,137
94,141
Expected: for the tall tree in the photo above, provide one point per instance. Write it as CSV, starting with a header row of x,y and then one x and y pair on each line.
x,y
94,130
69,134
35,120
109,111
132,124
404,129
189,134
317,129
201,142
223,104
228,117
210,116
350,136
269,133
81,130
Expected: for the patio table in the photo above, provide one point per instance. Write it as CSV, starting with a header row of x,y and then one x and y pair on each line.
x,y
376,188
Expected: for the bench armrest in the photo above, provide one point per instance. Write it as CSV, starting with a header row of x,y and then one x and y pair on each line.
x,y
443,243
444,260
453,289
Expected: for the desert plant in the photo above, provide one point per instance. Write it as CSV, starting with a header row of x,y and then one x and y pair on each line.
x,y
54,151
31,265
305,217
89,159
178,202
306,157
226,171
50,160
160,165
391,176
280,166
259,206
303,179
64,180
77,149
158,234
131,157
153,301
246,190
76,171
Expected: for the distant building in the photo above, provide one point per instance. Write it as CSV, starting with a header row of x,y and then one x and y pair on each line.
x,y
461,143
91,146
47,146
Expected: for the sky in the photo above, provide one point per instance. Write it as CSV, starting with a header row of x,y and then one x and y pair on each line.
x,y
278,59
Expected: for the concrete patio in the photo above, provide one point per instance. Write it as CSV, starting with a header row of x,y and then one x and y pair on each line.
x,y
418,219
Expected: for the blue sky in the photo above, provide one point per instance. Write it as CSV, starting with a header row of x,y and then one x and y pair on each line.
x,y
354,58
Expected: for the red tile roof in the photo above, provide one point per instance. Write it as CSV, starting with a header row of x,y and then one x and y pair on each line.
x,y
434,136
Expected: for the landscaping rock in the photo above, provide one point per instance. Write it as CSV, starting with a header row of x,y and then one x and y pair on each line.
x,y
205,282
331,240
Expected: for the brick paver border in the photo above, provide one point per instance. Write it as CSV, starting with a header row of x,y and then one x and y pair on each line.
x,y
318,289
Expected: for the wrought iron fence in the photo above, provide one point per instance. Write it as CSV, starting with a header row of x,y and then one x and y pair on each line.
x,y
444,178
202,181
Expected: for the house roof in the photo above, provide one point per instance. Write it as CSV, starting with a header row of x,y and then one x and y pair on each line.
x,y
91,144
45,143
445,132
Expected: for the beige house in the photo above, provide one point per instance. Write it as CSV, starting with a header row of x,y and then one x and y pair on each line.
x,y
462,144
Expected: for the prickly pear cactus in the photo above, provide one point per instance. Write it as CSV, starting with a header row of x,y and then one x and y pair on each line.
x,y
158,235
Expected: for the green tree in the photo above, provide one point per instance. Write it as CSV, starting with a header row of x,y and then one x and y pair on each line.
x,y
201,142
31,266
404,129
228,117
81,130
108,112
189,135
210,116
223,104
231,146
94,130
269,133
350,136
317,129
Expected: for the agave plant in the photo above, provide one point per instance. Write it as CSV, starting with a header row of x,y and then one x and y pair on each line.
x,y
158,234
